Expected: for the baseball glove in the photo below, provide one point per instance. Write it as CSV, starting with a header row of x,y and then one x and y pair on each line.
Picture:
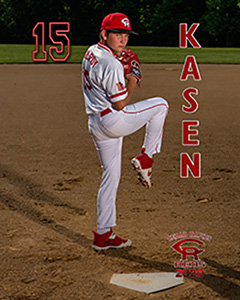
x,y
131,64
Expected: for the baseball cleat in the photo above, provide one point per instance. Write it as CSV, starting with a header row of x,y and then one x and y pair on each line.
x,y
142,164
109,240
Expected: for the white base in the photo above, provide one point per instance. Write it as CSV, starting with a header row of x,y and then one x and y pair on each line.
x,y
147,282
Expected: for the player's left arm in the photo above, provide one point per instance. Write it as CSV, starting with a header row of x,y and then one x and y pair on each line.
x,y
131,83
132,73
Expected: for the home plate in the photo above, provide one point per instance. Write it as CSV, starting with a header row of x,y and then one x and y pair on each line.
x,y
147,282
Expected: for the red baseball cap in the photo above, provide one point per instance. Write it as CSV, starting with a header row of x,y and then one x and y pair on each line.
x,y
117,22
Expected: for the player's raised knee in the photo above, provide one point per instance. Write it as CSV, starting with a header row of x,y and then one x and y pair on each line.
x,y
161,102
164,102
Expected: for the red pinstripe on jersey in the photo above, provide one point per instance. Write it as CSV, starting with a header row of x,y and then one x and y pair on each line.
x,y
118,94
136,112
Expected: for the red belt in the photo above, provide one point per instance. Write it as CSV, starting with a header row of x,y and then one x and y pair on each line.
x,y
105,112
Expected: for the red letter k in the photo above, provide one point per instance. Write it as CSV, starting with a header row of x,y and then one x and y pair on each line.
x,y
188,35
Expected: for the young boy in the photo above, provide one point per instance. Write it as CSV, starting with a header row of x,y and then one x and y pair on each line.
x,y
111,118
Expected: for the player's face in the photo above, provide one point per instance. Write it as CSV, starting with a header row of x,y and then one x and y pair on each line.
x,y
117,41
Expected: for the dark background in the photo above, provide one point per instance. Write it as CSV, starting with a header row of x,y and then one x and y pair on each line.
x,y
156,21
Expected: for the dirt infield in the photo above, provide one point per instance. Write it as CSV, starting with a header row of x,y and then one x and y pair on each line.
x,y
50,173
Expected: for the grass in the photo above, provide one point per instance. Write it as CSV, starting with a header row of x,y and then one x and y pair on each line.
x,y
18,54
177,55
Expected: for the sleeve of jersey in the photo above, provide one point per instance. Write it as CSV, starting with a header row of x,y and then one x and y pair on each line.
x,y
114,83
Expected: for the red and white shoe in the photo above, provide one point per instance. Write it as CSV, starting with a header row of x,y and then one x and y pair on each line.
x,y
109,240
143,165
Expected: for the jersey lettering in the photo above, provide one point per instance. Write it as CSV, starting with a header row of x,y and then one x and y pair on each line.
x,y
91,58
120,86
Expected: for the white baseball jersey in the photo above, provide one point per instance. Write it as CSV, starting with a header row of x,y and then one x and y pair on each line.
x,y
103,79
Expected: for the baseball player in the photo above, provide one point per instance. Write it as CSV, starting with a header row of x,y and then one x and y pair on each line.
x,y
109,75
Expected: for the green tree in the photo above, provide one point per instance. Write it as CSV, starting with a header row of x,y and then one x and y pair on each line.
x,y
157,21
3,29
163,23
222,21
86,17
19,17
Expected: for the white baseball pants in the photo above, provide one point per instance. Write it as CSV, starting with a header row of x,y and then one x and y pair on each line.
x,y
108,132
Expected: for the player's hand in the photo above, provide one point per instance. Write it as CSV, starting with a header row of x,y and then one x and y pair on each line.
x,y
131,64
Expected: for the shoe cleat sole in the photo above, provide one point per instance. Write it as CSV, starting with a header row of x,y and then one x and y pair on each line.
x,y
128,244
146,182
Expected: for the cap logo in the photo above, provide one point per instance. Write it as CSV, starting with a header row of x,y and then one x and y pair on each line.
x,y
125,22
